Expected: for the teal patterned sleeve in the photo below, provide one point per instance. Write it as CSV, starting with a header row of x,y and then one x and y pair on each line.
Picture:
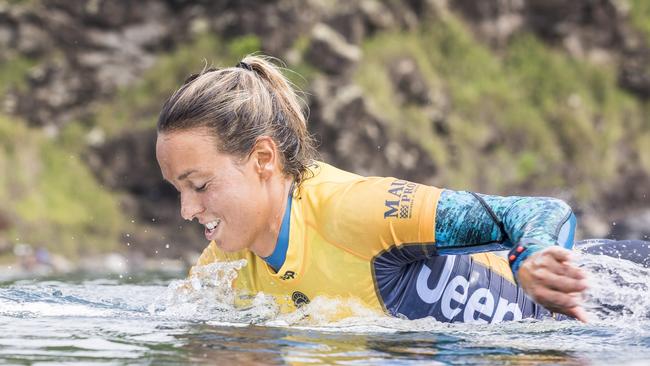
x,y
468,223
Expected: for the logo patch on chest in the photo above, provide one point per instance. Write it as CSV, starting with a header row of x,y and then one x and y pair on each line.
x,y
299,299
288,275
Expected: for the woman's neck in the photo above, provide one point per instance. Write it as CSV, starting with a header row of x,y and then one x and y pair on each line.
x,y
265,244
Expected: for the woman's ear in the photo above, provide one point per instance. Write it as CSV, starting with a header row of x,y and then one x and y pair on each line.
x,y
265,157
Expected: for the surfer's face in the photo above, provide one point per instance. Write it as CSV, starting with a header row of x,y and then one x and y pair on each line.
x,y
227,194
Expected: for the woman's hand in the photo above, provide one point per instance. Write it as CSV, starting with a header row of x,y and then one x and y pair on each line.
x,y
553,282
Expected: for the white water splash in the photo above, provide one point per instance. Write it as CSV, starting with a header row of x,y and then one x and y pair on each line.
x,y
617,292
142,313
208,294
618,288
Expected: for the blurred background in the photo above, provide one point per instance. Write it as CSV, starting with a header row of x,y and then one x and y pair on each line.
x,y
528,97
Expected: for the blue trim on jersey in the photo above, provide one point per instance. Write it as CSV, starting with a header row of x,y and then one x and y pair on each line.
x,y
279,255
567,233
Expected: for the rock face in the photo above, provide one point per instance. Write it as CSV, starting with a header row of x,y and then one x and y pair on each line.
x,y
330,52
635,73
92,48
365,135
593,29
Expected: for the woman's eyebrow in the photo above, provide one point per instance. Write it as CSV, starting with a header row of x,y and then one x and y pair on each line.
x,y
186,174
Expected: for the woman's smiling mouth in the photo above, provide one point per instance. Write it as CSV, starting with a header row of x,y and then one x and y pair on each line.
x,y
211,228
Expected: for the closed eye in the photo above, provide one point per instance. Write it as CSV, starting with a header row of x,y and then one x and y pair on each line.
x,y
201,188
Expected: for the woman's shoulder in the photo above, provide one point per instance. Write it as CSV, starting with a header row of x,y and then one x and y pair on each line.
x,y
320,172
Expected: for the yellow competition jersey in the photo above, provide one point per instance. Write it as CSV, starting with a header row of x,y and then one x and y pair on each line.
x,y
372,238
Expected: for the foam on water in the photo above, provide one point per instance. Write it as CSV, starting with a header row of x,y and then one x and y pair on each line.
x,y
618,288
617,292
616,300
208,295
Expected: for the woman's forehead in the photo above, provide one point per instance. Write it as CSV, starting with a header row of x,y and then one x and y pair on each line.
x,y
182,150
186,136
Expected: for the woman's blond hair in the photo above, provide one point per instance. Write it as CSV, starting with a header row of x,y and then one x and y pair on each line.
x,y
239,105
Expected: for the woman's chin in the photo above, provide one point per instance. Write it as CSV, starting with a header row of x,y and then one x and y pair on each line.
x,y
225,247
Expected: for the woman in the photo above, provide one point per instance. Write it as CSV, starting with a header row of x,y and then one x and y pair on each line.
x,y
234,143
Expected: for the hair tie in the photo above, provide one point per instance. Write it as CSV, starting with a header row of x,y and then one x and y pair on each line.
x,y
243,65
195,76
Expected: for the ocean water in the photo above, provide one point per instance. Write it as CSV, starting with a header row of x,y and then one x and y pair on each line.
x,y
162,319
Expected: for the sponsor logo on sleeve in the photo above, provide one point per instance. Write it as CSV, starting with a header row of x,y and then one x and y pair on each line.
x,y
399,205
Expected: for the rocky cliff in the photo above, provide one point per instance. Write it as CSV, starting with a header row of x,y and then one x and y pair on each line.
x,y
499,96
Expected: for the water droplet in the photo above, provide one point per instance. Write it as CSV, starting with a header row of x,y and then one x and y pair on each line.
x,y
153,219
156,252
614,223
128,244
128,235
166,246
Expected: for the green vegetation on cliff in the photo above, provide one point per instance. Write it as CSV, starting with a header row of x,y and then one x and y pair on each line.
x,y
640,16
13,72
532,119
50,196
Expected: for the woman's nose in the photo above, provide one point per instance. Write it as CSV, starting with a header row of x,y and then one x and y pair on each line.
x,y
190,206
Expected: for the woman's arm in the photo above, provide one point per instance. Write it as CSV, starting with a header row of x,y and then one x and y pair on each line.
x,y
468,223
534,229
